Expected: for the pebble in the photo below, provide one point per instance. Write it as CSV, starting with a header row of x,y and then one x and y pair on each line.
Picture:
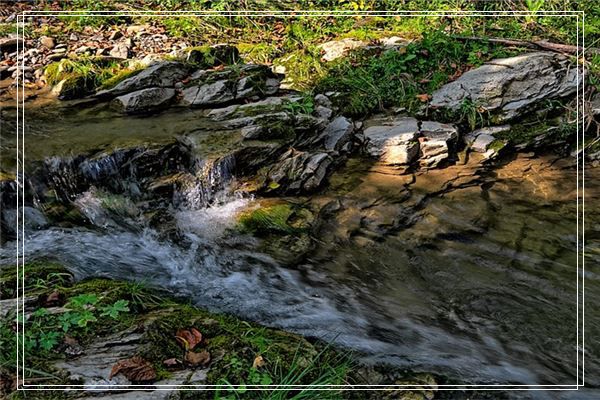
x,y
73,37
47,42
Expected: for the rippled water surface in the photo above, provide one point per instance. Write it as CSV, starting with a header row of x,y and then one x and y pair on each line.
x,y
476,280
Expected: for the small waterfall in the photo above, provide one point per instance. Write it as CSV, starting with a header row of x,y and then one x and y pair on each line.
x,y
210,185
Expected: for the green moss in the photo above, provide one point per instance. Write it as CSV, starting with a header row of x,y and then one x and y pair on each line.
x,y
497,145
38,276
120,76
258,53
84,75
271,219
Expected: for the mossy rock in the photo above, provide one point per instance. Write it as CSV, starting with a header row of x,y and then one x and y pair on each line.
x,y
268,220
37,275
212,56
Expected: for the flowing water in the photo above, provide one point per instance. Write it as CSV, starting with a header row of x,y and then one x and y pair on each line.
x,y
476,280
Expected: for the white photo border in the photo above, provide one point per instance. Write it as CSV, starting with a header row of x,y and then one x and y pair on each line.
x,y
580,351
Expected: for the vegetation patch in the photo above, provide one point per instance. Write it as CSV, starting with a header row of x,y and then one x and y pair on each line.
x,y
176,335
373,79
270,219
87,74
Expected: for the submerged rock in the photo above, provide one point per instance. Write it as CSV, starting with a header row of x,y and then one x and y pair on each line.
x,y
510,87
144,100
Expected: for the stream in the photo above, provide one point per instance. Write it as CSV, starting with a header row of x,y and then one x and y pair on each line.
x,y
475,280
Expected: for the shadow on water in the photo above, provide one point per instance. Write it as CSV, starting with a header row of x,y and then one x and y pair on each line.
x,y
454,271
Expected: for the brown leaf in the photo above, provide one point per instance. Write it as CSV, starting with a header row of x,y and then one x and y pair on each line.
x,y
423,97
52,300
188,338
136,369
197,359
259,361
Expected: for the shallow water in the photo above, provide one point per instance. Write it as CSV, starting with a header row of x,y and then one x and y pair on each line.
x,y
477,282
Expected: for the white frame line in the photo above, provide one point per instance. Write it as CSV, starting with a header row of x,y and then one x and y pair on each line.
x,y
20,20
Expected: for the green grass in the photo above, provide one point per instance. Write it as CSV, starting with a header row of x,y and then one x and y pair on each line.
x,y
87,74
370,80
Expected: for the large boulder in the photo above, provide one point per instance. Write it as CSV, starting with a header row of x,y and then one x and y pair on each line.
x,y
161,74
393,142
509,88
144,100
209,93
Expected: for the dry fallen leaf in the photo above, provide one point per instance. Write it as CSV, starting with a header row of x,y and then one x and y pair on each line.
x,y
188,338
197,359
423,97
136,369
259,361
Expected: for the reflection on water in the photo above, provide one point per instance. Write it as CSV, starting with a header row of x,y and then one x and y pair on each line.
x,y
469,274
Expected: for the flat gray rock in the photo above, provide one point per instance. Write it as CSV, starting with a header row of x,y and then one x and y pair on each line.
x,y
144,100
510,87
160,74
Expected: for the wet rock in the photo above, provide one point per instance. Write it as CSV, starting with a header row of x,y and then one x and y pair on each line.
x,y
144,100
480,139
393,142
217,87
47,42
210,93
32,219
510,87
161,74
337,134
338,48
299,171
269,126
438,143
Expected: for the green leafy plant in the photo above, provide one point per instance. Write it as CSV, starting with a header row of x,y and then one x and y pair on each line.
x,y
115,309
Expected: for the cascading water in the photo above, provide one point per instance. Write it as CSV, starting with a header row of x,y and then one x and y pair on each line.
x,y
481,288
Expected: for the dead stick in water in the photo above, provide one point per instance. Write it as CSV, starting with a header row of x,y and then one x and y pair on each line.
x,y
537,45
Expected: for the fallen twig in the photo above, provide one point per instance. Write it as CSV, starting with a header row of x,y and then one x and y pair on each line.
x,y
537,45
